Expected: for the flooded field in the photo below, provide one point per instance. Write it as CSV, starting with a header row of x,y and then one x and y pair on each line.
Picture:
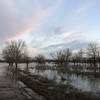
x,y
43,79
83,83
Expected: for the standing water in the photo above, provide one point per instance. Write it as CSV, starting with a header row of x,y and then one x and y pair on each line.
x,y
83,83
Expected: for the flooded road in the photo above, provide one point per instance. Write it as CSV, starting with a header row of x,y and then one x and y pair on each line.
x,y
3,68
8,91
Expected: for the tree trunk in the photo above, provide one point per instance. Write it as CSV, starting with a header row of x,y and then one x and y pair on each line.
x,y
27,65
9,64
94,63
16,65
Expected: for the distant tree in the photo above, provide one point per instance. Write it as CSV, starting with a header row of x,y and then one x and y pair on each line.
x,y
26,58
75,58
81,53
13,51
68,54
40,59
61,57
92,52
58,57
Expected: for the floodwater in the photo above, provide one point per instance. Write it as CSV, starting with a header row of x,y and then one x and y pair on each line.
x,y
83,83
3,67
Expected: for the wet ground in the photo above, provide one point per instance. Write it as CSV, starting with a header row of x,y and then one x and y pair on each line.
x,y
8,91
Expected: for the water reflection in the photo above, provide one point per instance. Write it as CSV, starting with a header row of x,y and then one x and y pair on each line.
x,y
12,74
84,83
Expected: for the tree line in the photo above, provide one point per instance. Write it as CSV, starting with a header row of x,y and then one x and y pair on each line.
x,y
16,51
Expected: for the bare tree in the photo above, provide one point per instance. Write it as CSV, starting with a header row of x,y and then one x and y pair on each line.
x,y
68,54
75,58
58,57
26,59
80,53
7,56
40,59
13,51
62,57
92,52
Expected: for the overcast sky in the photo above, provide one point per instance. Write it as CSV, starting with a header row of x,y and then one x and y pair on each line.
x,y
49,25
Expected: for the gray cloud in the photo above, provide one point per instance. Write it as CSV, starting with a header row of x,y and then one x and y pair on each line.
x,y
18,16
73,45
10,24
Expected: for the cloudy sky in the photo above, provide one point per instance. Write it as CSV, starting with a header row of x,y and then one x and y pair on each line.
x,y
49,25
